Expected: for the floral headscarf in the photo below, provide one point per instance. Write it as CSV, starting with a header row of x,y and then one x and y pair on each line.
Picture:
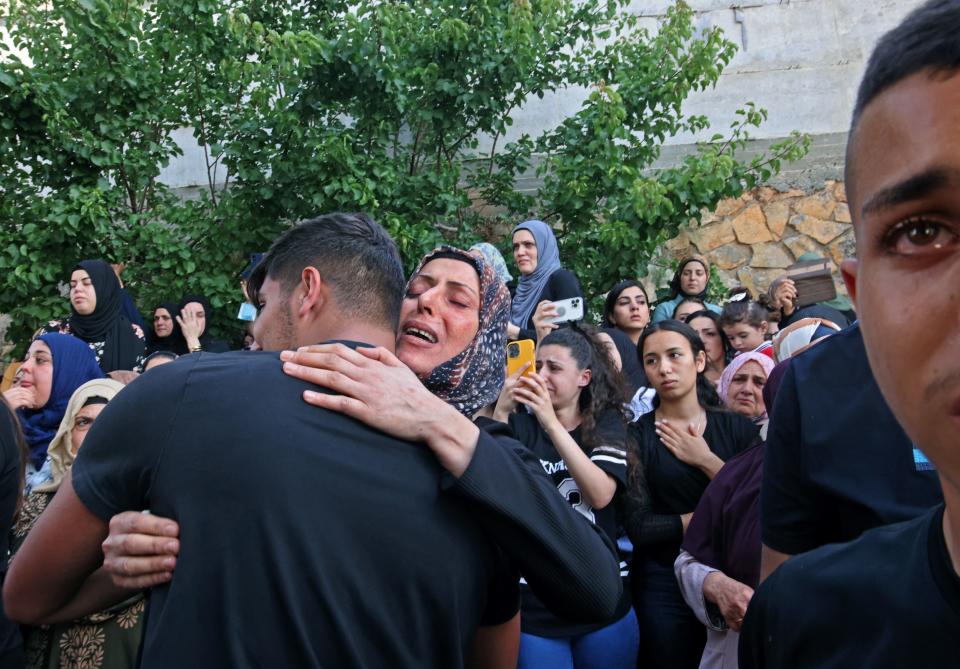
x,y
472,379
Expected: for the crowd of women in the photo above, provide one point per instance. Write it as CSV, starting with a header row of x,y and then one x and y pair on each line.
x,y
651,426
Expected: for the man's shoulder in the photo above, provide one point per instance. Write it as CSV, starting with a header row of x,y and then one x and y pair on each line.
x,y
862,569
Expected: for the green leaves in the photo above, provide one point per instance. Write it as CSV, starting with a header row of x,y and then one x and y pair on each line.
x,y
304,108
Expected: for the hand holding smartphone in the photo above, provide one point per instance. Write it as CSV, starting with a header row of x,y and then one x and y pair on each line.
x,y
520,353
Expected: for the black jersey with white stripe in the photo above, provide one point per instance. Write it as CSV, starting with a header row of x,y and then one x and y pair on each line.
x,y
609,454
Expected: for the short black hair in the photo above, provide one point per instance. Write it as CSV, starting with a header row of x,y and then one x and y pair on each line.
x,y
927,39
353,254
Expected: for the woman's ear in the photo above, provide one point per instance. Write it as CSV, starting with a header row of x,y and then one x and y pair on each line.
x,y
701,361
584,379
764,327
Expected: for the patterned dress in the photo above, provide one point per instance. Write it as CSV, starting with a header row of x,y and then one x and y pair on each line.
x,y
62,325
106,640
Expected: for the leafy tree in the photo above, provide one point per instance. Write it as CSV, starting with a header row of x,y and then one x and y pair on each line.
x,y
321,105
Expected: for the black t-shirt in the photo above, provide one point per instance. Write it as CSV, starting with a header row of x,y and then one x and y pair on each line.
x,y
673,486
9,491
837,462
889,599
308,539
609,455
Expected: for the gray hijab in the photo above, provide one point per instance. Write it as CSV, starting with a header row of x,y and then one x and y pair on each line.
x,y
531,286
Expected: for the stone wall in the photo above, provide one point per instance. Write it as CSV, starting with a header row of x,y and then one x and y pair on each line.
x,y
749,240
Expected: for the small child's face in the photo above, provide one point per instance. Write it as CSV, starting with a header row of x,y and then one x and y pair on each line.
x,y
745,337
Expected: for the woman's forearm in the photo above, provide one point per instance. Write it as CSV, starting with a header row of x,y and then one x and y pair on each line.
x,y
596,486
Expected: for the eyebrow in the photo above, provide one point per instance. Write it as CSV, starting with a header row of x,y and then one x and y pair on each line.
x,y
912,188
433,282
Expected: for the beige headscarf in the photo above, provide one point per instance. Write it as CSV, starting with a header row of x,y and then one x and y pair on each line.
x,y
59,451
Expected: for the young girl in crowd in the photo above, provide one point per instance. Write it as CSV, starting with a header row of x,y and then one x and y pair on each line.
x,y
577,431
745,324
719,351
55,366
627,308
96,305
677,450
690,280
542,278
112,635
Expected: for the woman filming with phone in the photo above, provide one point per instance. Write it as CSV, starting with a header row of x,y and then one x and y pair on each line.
x,y
542,278
576,429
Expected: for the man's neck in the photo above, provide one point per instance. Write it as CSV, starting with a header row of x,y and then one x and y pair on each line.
x,y
358,332
951,521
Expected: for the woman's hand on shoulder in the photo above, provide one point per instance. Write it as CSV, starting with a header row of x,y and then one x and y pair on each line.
x,y
373,385
377,389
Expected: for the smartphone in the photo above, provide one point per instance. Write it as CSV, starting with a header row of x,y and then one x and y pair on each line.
x,y
568,310
519,353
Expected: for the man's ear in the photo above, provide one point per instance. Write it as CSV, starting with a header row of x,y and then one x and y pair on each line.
x,y
312,292
848,268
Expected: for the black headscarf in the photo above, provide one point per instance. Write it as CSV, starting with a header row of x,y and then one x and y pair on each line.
x,y
171,342
122,347
208,342
677,289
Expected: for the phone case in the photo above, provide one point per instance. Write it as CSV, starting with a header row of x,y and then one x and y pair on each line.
x,y
518,353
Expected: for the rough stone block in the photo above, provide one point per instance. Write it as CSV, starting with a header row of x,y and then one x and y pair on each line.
x,y
730,256
751,226
713,236
678,243
757,280
767,194
800,244
729,207
778,213
842,213
823,231
768,256
820,205
843,247
840,192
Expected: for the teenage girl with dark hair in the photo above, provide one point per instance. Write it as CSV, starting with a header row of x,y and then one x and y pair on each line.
x,y
676,450
627,308
576,429
745,324
719,351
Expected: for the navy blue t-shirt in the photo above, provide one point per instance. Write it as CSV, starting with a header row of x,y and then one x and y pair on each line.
x,y
837,462
307,538
889,599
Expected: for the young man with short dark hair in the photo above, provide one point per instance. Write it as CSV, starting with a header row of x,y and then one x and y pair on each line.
x,y
892,597
309,539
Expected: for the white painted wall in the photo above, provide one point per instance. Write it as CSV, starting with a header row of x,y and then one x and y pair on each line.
x,y
799,59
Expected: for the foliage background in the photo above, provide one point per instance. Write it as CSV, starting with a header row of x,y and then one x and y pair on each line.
x,y
321,105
